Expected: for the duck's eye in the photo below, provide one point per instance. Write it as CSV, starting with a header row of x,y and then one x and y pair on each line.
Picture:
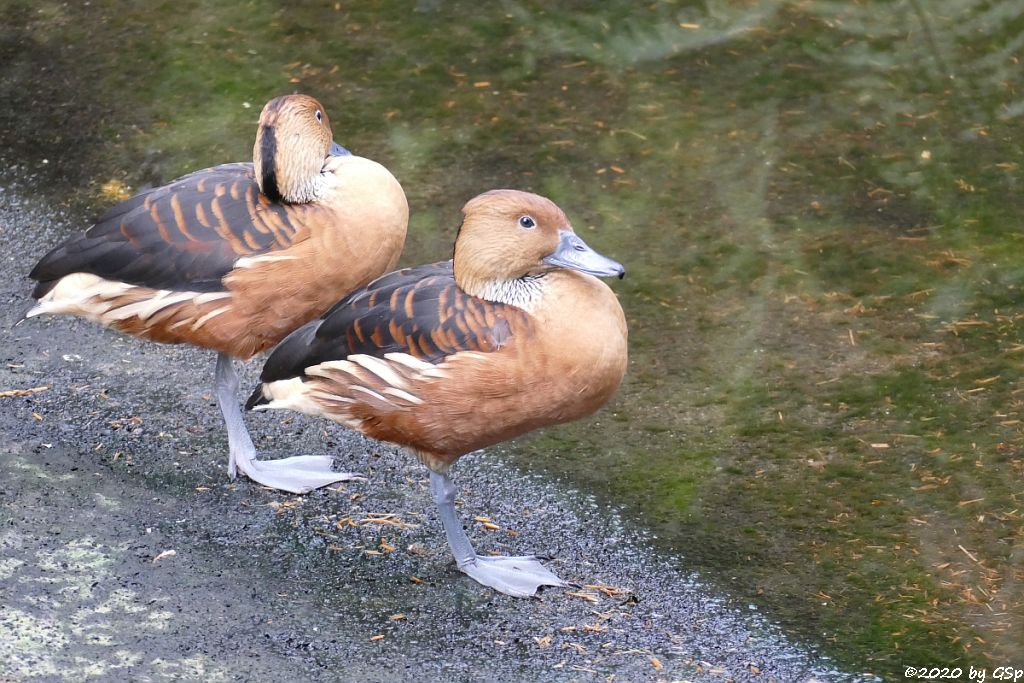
x,y
319,116
527,222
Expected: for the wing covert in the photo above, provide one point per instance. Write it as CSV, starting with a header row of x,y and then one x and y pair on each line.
x,y
183,236
419,311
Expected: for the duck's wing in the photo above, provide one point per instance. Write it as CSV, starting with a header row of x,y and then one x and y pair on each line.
x,y
184,236
417,311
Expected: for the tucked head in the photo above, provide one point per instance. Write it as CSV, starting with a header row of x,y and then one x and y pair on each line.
x,y
293,139
509,235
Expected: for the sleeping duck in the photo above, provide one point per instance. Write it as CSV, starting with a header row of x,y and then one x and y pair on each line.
x,y
233,258
514,333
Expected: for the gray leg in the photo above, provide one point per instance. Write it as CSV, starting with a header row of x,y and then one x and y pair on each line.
x,y
299,474
516,576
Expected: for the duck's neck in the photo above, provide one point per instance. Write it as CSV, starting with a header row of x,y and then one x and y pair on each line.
x,y
523,292
301,190
293,178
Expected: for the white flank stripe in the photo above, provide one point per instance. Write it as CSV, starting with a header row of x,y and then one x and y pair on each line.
x,y
161,316
466,355
323,369
404,396
250,261
206,318
381,369
408,361
326,396
207,297
144,309
372,393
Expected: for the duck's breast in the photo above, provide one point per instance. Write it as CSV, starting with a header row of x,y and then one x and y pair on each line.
x,y
560,363
580,354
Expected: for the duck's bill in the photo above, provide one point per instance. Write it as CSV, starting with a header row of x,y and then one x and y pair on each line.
x,y
339,151
573,252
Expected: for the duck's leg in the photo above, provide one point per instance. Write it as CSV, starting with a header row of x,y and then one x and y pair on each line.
x,y
517,576
298,474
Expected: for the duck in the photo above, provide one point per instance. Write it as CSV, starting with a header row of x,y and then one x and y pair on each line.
x,y
515,333
235,257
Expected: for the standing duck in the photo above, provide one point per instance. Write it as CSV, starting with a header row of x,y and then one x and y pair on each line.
x,y
233,258
514,334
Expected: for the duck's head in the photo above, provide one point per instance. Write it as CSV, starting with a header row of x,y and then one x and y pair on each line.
x,y
292,141
508,236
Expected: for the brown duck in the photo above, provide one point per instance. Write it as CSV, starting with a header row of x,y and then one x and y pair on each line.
x,y
514,334
234,257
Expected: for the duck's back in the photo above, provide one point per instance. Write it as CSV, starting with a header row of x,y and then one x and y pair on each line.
x,y
186,235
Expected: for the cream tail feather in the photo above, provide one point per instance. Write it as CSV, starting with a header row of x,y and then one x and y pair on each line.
x,y
91,297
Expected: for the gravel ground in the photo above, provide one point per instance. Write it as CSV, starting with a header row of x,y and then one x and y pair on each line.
x,y
125,552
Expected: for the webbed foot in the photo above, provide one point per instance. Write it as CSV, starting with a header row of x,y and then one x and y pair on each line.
x,y
516,576
296,474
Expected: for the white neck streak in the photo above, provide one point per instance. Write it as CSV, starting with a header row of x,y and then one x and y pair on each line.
x,y
310,190
524,292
